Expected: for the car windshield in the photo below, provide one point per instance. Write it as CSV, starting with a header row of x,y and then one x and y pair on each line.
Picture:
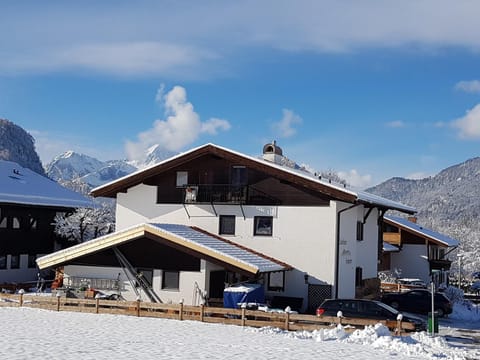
x,y
389,308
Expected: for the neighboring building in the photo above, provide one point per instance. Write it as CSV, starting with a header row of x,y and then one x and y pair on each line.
x,y
28,205
211,217
415,251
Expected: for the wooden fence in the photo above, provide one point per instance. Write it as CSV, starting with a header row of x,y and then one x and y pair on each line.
x,y
243,317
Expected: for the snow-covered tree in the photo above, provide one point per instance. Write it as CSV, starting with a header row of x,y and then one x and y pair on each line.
x,y
85,223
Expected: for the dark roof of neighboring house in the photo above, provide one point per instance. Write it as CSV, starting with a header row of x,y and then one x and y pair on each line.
x,y
298,177
191,238
19,185
419,230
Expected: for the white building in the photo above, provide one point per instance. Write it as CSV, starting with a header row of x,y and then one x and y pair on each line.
x,y
304,238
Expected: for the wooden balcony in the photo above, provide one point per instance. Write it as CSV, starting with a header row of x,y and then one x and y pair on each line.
x,y
226,194
392,238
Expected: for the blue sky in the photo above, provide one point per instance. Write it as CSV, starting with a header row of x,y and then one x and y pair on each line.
x,y
370,89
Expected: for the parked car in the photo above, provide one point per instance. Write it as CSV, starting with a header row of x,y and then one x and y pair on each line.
x,y
412,282
418,301
367,309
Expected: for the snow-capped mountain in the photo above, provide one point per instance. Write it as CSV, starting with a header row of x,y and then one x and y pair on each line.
x,y
82,173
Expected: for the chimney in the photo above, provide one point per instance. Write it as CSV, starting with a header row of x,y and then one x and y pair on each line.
x,y
273,153
412,219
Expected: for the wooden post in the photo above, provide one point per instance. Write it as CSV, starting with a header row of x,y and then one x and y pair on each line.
x,y
202,312
97,303
399,327
180,311
243,315
287,321
58,302
21,299
137,307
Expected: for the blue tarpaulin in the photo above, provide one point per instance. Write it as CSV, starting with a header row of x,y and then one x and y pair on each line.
x,y
245,293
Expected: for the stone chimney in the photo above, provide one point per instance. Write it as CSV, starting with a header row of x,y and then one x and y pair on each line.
x,y
273,153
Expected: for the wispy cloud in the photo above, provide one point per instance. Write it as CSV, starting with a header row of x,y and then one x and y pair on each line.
x,y
169,38
285,127
355,179
396,124
469,125
471,86
181,127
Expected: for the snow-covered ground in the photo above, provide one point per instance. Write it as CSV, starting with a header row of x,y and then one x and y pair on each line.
x,y
41,334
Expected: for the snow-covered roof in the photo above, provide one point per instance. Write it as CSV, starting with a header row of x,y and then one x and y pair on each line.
x,y
420,230
193,239
19,185
347,194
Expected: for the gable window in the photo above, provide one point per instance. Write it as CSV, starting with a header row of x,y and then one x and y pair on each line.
x,y
16,223
276,281
263,225
359,230
171,280
14,261
3,262
227,225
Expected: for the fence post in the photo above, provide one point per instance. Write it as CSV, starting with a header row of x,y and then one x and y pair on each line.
x,y
244,307
180,311
21,292
399,324
58,300
287,320
137,307
339,317
202,312
97,303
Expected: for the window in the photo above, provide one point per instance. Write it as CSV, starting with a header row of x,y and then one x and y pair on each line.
x,y
14,261
358,276
3,222
3,261
263,225
16,223
227,225
171,280
359,230
182,178
276,281
32,264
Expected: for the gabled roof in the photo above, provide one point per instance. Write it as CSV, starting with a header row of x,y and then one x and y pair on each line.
x,y
19,185
298,177
418,230
192,239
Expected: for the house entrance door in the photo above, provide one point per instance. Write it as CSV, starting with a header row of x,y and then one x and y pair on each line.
x,y
217,284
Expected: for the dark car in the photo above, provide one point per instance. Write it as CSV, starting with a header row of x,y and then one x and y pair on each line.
x,y
367,309
418,301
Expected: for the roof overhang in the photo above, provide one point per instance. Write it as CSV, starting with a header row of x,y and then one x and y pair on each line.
x,y
193,240
298,177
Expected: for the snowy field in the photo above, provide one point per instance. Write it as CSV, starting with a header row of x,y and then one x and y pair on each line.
x,y
40,334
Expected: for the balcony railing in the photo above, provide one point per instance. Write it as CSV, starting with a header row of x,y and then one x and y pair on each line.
x,y
225,193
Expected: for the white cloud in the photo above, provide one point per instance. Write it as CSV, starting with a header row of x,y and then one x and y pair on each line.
x,y
469,125
285,127
354,179
418,175
471,86
165,38
396,124
181,127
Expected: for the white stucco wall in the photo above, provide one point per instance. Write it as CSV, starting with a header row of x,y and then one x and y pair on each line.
x,y
412,261
304,237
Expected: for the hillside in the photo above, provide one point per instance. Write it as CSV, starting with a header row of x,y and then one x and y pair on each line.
x,y
18,146
448,202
